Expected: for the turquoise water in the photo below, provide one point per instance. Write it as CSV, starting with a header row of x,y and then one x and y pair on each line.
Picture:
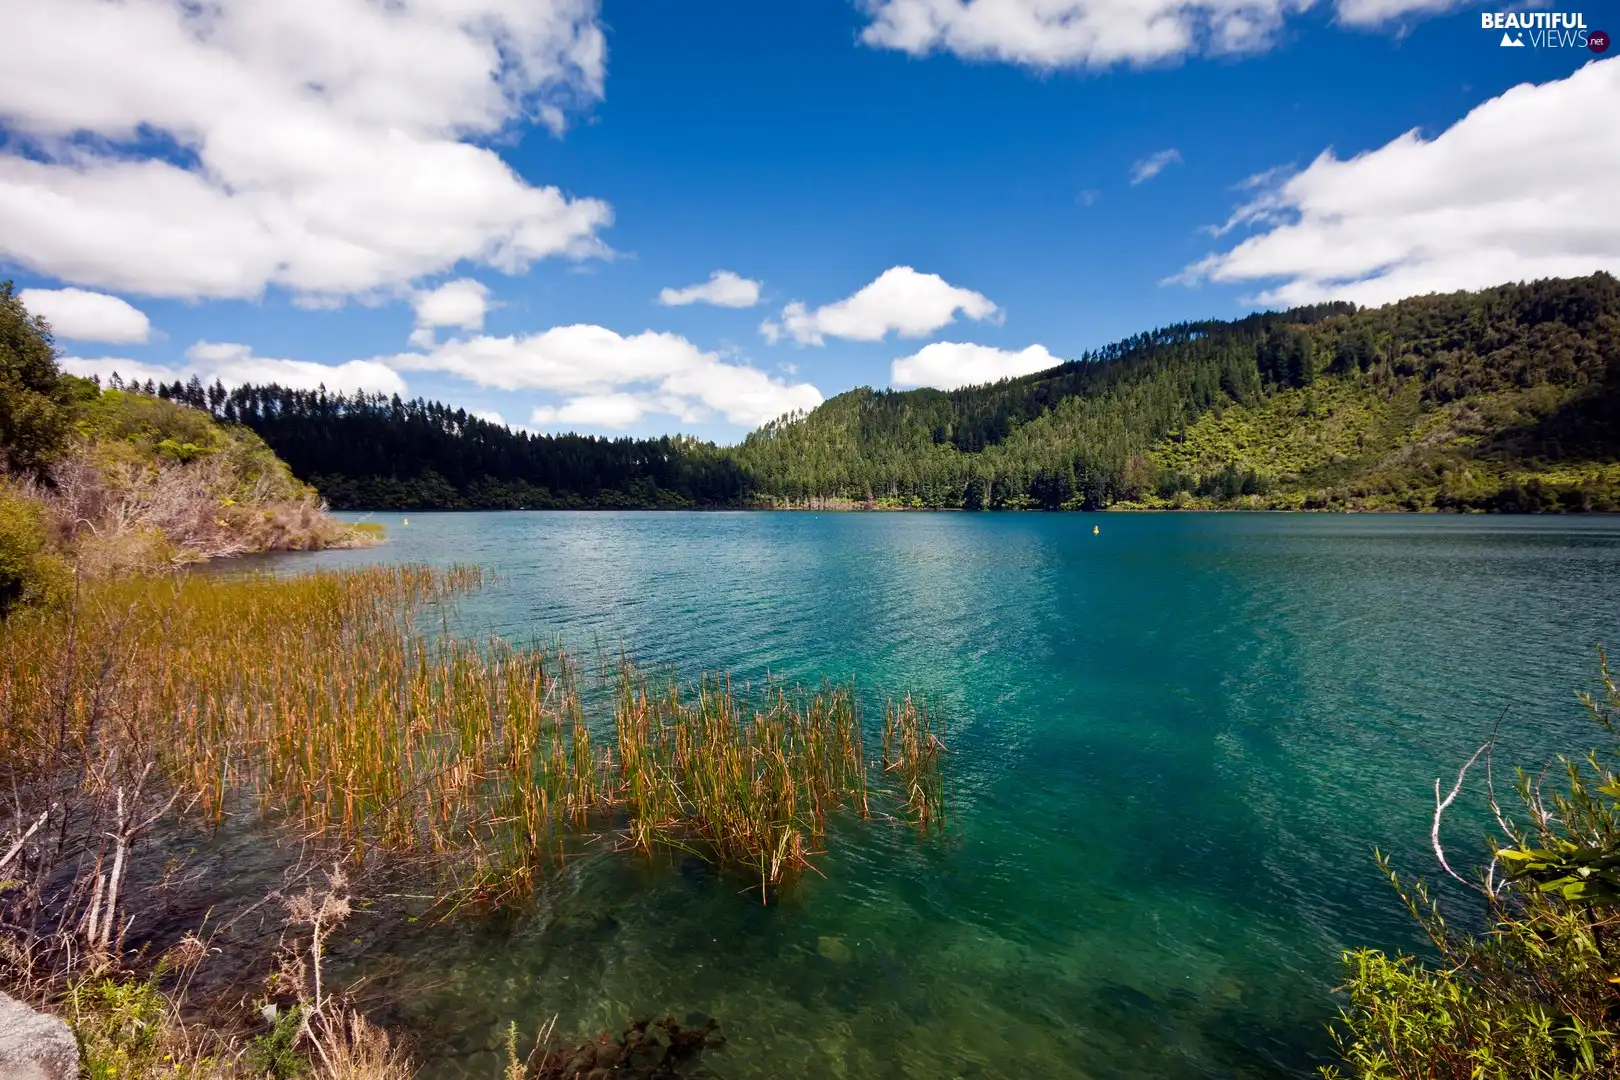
x,y
1175,744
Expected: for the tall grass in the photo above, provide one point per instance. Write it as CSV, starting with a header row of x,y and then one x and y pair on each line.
x,y
911,752
341,705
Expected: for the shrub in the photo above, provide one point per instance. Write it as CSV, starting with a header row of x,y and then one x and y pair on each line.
x,y
34,398
29,573
120,1027
1533,995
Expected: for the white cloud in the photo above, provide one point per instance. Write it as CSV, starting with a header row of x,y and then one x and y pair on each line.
x,y
80,315
1087,198
1049,34
1075,33
211,149
610,412
1154,164
900,300
1516,190
723,289
234,364
607,377
461,303
1377,12
946,365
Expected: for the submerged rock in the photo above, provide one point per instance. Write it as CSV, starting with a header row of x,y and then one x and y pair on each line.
x,y
646,1050
35,1045
834,949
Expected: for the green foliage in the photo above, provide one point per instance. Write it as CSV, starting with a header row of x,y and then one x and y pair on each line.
x,y
150,429
1508,399
1533,995
1408,1020
34,398
29,572
275,1054
120,1026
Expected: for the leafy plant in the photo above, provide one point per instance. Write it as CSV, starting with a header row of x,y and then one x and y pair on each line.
x,y
120,1027
1535,994
275,1054
29,572
34,398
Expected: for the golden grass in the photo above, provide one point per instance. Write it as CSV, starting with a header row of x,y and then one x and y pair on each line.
x,y
321,703
911,751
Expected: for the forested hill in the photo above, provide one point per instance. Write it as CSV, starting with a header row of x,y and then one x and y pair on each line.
x,y
372,451
1505,399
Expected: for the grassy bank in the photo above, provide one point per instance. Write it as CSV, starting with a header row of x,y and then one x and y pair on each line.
x,y
101,482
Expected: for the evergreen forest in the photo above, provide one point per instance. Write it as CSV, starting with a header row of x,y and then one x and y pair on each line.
x,y
1506,399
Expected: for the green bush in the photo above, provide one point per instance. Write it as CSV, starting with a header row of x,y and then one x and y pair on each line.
x,y
34,398
1535,993
29,572
275,1054
120,1027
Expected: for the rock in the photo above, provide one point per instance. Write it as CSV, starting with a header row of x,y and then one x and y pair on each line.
x,y
34,1045
834,949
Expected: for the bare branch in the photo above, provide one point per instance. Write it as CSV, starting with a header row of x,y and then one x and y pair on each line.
x,y
1439,812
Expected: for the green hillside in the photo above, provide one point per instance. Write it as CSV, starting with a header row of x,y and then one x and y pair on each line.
x,y
107,482
1499,400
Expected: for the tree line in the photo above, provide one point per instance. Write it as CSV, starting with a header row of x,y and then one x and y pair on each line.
x,y
1082,435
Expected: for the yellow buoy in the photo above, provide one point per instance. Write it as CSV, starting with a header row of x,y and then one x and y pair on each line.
x,y
1095,529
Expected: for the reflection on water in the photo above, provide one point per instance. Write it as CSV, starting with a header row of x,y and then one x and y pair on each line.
x,y
1175,744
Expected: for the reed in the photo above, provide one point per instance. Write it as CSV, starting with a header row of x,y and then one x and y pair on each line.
x,y
911,753
321,703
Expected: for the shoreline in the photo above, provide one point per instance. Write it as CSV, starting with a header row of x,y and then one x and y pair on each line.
x,y
1118,509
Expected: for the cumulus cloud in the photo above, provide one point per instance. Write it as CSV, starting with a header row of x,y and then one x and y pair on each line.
x,y
1049,34
1074,33
610,412
946,365
1376,12
1154,164
900,300
462,303
723,289
80,315
234,364
1518,189
610,380
210,150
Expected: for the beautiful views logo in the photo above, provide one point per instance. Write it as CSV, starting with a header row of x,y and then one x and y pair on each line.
x,y
1544,30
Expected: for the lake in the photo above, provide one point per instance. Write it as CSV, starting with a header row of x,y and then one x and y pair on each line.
x,y
1174,745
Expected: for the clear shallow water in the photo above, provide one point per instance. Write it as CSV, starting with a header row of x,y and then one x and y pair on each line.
x,y
1175,745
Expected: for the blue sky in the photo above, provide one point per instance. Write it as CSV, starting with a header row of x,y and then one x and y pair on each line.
x,y
351,166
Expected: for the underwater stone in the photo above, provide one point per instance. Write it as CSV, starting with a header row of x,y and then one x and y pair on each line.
x,y
834,949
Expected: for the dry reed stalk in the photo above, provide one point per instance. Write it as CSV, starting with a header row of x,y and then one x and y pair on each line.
x,y
317,700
